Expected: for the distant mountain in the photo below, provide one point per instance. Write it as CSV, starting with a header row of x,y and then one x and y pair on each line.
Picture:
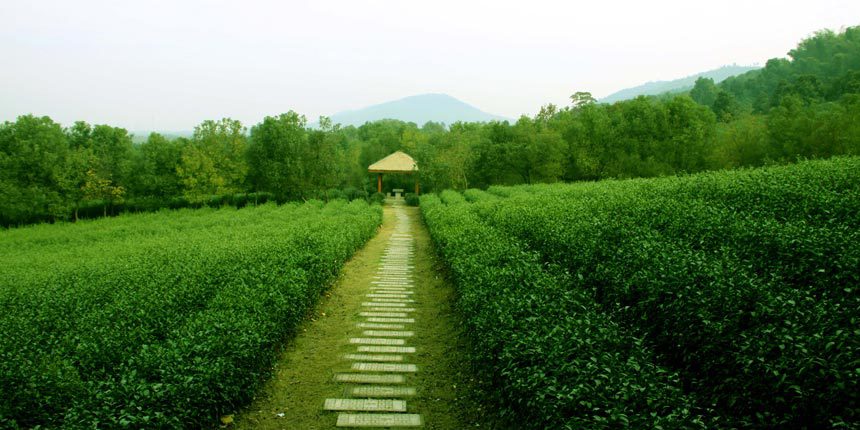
x,y
418,109
677,85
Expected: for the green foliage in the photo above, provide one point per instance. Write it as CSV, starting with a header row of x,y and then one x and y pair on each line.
x,y
803,107
412,199
743,282
822,68
155,165
554,360
704,92
32,154
214,160
377,198
162,320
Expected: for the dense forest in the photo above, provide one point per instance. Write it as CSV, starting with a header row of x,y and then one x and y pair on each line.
x,y
805,106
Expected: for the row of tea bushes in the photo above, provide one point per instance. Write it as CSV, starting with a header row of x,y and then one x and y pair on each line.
x,y
745,282
554,360
162,320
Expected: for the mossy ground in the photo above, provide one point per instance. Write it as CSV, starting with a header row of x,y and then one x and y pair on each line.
x,y
303,378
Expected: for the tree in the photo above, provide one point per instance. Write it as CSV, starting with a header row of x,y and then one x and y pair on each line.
x,y
213,163
97,188
112,148
32,158
582,98
534,152
155,164
704,92
275,155
725,107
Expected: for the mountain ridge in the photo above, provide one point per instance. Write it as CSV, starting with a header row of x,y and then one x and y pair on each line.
x,y
686,83
420,109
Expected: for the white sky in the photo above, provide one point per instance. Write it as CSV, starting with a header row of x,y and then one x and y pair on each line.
x,y
168,65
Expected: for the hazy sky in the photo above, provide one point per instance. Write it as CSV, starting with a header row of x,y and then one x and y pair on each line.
x,y
167,65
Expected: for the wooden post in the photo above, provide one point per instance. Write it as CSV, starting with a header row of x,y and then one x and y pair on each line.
x,y
416,186
379,182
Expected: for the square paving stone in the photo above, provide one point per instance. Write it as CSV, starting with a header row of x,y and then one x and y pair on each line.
x,y
388,333
381,326
376,341
384,304
385,367
369,405
382,391
378,420
384,315
386,358
387,349
391,320
366,378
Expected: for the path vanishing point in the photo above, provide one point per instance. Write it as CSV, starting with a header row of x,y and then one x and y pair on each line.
x,y
382,350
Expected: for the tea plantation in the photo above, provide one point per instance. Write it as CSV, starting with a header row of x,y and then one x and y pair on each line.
x,y
163,320
718,300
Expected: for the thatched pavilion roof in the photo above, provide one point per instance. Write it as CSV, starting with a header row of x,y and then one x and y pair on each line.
x,y
398,162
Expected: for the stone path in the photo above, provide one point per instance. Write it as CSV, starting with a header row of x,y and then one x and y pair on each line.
x,y
317,364
379,376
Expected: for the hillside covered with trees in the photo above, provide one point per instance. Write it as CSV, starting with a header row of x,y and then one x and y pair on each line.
x,y
805,106
680,85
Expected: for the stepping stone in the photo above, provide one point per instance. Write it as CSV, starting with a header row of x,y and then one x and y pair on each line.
x,y
382,326
373,357
390,309
385,367
378,420
383,300
384,315
390,290
372,405
403,295
375,341
391,320
382,391
375,296
387,349
388,333
363,378
384,304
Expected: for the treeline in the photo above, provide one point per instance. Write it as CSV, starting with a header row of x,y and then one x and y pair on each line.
x,y
807,106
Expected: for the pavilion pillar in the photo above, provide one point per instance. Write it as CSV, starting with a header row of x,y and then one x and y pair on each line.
x,y
379,182
417,187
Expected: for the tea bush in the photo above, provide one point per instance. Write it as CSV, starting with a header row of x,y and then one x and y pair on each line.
x,y
160,320
745,281
554,360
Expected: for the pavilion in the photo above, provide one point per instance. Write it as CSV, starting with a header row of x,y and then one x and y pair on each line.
x,y
398,162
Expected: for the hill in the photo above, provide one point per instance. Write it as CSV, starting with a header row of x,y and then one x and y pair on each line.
x,y
677,85
418,109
